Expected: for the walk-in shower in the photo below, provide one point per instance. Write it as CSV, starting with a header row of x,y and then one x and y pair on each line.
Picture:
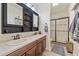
x,y
59,30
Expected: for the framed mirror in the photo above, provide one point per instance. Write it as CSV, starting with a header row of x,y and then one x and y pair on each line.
x,y
17,17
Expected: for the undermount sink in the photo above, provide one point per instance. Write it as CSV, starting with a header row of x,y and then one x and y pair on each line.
x,y
16,42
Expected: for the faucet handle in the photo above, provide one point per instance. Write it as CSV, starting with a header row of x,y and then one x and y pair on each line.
x,y
35,33
13,37
17,36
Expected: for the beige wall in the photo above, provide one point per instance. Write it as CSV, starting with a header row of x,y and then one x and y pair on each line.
x,y
44,13
71,13
60,14
61,10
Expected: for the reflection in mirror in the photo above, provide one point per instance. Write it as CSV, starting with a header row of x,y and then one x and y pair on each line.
x,y
14,14
35,20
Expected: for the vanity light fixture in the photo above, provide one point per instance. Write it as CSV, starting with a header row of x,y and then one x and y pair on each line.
x,y
54,4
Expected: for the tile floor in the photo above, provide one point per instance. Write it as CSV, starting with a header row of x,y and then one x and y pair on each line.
x,y
51,53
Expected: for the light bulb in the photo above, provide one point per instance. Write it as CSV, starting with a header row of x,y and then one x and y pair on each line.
x,y
54,4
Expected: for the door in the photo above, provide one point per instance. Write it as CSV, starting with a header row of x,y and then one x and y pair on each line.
x,y
62,30
59,29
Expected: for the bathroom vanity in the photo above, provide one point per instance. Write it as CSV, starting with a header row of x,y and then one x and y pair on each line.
x,y
30,46
17,17
32,49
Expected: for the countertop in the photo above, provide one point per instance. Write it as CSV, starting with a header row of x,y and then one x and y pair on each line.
x,y
10,46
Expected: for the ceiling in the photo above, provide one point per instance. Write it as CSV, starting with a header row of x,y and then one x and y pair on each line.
x,y
59,8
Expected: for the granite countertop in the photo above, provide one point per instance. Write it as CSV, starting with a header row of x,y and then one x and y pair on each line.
x,y
10,46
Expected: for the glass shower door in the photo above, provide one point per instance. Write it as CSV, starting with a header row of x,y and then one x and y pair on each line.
x,y
62,30
52,30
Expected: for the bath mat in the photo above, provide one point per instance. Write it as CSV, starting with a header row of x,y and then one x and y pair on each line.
x,y
59,49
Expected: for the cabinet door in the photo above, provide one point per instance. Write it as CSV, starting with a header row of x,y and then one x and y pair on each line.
x,y
39,49
31,52
43,45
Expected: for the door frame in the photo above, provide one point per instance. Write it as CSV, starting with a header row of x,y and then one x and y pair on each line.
x,y
55,27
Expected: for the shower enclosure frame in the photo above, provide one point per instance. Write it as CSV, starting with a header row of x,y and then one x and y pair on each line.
x,y
55,27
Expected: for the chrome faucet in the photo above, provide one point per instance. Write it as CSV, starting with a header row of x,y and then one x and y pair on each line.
x,y
35,33
15,37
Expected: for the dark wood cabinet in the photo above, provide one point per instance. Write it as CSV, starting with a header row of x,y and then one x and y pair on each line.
x,y
31,52
35,48
41,45
39,49
44,45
